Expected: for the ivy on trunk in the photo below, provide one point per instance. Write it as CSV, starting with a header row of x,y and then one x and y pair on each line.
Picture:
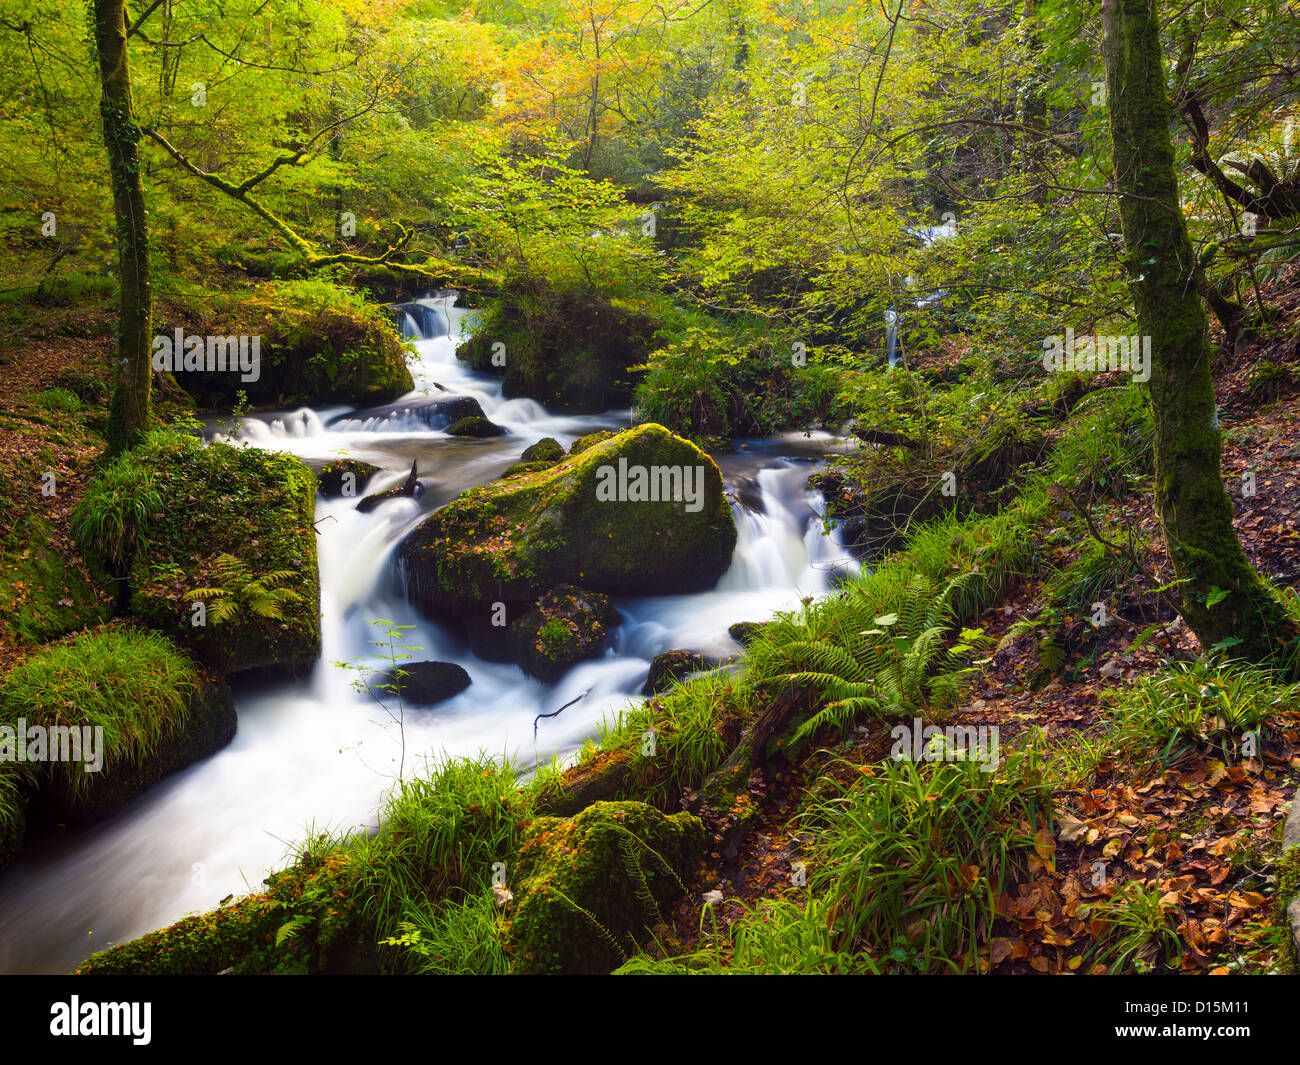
x,y
1223,598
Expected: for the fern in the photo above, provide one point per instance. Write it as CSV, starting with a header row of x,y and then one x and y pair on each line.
x,y
238,588
891,668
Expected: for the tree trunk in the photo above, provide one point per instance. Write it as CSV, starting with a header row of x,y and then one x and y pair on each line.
x,y
1222,597
129,414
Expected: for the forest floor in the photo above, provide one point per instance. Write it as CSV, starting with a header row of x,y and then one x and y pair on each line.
x,y
1202,830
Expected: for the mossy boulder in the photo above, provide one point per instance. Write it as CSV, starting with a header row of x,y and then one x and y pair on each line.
x,y
207,725
670,667
547,449
90,723
571,351
313,354
344,477
257,506
589,887
46,595
474,426
567,626
580,522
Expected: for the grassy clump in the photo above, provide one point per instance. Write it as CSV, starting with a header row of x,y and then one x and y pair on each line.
x,y
59,399
1193,707
137,686
109,521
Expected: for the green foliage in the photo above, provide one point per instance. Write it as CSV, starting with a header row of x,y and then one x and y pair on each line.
x,y
237,589
1190,707
109,520
59,399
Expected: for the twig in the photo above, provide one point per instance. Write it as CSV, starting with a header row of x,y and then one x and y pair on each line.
x,y
566,706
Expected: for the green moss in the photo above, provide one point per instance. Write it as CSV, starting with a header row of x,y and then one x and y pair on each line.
x,y
588,887
47,596
583,442
567,626
474,426
513,539
258,506
547,449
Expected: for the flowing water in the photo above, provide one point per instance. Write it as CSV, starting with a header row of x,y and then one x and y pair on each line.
x,y
318,755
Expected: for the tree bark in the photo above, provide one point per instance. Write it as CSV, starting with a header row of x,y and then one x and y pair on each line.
x,y
129,413
1223,597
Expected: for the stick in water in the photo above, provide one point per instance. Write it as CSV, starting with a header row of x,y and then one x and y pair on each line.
x,y
581,695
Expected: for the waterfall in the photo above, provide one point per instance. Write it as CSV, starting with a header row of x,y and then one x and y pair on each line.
x,y
318,754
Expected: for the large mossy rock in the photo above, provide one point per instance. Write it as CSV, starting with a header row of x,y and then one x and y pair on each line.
x,y
102,717
208,725
512,540
570,351
344,478
257,506
313,354
588,887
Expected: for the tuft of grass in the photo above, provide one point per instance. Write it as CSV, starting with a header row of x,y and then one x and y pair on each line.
x,y
108,522
135,685
1190,707
59,399
1136,930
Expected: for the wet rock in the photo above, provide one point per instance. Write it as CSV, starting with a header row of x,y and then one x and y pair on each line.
x,y
334,482
421,683
746,632
568,625
411,488
475,426
670,667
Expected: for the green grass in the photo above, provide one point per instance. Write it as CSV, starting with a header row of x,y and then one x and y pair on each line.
x,y
59,399
1205,705
109,521
1136,931
135,685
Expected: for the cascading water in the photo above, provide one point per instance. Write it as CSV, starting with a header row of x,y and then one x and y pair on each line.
x,y
317,754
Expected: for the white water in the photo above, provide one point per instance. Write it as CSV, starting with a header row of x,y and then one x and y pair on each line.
x,y
317,754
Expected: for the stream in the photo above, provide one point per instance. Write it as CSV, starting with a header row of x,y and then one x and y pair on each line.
x,y
317,755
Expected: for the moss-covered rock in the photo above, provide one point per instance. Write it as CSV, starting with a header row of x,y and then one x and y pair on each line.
x,y
525,467
670,667
207,725
591,521
567,626
90,723
47,595
344,477
571,351
746,632
473,426
547,449
588,887
307,354
583,442
257,506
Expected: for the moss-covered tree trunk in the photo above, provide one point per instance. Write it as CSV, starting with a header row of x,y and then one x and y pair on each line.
x,y
129,413
1223,597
